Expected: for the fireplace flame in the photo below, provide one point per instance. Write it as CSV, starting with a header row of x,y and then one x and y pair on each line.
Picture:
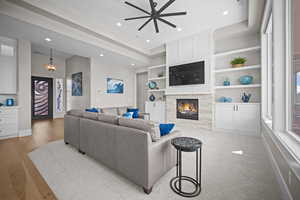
x,y
186,107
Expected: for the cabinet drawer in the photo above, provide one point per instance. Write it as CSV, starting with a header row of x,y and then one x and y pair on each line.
x,y
8,129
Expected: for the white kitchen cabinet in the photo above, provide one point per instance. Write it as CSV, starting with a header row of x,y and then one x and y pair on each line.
x,y
156,111
8,122
8,66
238,116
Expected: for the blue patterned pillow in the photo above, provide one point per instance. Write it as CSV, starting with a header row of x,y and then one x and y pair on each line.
x,y
128,115
95,110
165,129
135,112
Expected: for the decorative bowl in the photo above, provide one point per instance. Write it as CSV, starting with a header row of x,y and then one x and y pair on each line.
x,y
152,97
246,80
152,85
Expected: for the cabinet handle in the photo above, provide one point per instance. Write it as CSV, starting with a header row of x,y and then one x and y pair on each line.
x,y
237,108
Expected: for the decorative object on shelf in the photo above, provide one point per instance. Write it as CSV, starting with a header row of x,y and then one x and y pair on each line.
x,y
50,66
246,97
155,14
1,104
246,80
152,85
152,97
226,82
225,99
10,102
115,86
77,84
238,62
160,75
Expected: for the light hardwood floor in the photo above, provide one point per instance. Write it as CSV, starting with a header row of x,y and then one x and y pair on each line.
x,y
19,178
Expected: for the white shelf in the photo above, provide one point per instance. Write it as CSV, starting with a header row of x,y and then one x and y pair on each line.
x,y
237,86
156,79
156,67
237,69
237,51
160,90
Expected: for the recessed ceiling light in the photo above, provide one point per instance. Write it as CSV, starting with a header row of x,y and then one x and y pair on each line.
x,y
226,12
179,29
148,41
119,24
48,39
132,64
101,55
240,152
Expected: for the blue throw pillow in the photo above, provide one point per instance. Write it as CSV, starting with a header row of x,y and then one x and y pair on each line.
x,y
165,129
128,115
135,112
95,110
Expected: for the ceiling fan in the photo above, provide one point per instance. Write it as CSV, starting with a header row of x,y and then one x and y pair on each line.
x,y
155,14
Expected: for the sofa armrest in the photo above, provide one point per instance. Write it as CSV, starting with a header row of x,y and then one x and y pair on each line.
x,y
162,157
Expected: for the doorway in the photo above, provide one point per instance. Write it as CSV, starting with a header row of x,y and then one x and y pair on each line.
x,y
41,98
142,90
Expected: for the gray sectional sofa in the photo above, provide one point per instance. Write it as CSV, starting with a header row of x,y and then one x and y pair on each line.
x,y
129,146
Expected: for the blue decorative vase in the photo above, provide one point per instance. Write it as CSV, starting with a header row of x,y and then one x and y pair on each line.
x,y
246,80
226,83
228,100
9,102
152,85
152,97
246,97
225,99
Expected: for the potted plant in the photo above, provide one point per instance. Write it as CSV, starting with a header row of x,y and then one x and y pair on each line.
x,y
238,62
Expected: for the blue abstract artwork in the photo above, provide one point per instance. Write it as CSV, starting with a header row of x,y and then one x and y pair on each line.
x,y
115,86
298,83
77,84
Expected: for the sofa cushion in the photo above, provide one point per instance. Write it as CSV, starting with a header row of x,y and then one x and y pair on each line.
x,y
90,115
135,112
95,110
128,115
122,110
144,125
108,118
165,129
75,112
111,111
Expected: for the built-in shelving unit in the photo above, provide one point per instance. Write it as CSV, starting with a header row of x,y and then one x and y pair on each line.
x,y
246,46
157,74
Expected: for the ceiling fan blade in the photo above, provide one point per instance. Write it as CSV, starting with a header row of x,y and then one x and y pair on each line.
x,y
145,24
165,6
152,6
167,22
130,4
132,18
156,26
172,14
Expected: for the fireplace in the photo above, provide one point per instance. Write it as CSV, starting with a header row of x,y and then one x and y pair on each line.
x,y
187,109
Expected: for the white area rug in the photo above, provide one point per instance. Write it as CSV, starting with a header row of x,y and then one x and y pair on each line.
x,y
226,176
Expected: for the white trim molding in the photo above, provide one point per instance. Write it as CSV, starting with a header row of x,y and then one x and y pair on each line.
x,y
26,132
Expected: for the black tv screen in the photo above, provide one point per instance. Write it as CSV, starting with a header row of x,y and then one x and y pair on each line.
x,y
187,74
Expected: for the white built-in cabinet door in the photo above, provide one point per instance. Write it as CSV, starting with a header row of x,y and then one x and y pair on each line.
x,y
156,111
239,117
8,66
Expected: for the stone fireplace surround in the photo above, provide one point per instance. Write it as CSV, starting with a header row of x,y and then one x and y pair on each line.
x,y
205,112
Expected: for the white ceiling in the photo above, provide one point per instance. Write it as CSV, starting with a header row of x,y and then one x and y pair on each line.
x,y
62,45
101,16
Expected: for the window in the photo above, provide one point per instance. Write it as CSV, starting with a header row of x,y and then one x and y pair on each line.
x,y
270,66
293,79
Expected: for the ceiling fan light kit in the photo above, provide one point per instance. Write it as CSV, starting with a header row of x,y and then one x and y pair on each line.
x,y
155,14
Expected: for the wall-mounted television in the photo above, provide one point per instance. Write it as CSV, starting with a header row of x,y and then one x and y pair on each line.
x,y
187,74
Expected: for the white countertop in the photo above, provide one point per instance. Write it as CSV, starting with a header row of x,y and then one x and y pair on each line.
x,y
9,107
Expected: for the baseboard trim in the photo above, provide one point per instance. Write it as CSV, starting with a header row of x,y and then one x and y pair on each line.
x,y
26,132
285,192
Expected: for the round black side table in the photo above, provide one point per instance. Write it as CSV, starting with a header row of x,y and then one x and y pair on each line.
x,y
187,144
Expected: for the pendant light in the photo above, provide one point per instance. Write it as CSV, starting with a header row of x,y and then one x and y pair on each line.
x,y
51,67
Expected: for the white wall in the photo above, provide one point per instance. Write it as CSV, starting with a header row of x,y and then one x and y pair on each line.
x,y
74,65
100,71
191,49
37,69
24,87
